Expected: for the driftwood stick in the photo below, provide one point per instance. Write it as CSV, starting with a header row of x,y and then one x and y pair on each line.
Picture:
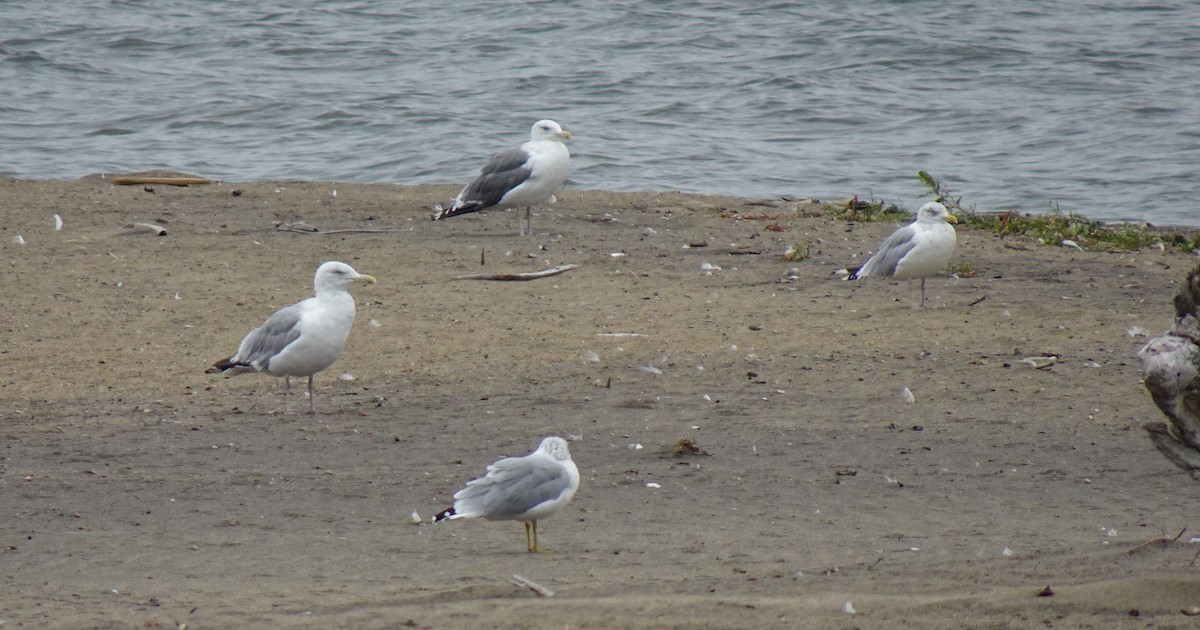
x,y
533,275
1171,368
144,228
132,180
1161,540
525,582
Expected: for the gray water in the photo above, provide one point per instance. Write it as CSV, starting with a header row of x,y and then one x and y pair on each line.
x,y
1093,107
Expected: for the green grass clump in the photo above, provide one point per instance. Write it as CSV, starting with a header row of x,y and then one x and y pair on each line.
x,y
796,252
961,268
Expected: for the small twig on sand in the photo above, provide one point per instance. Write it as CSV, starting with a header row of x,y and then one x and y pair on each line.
x,y
303,230
533,275
133,180
542,591
1161,540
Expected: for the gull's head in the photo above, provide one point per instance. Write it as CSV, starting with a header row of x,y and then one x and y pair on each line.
x,y
555,447
338,275
548,130
933,212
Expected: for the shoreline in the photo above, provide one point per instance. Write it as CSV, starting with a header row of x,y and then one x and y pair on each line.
x,y
1192,230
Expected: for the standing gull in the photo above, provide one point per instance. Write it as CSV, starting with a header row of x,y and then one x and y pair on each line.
x,y
304,338
520,489
918,250
525,176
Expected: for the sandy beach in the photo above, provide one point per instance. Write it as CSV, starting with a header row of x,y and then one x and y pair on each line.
x,y
138,491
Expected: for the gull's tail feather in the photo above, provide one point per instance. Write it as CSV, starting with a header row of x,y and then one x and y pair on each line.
x,y
456,209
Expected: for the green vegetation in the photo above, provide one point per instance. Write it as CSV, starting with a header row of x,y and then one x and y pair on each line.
x,y
1056,226
943,196
1051,228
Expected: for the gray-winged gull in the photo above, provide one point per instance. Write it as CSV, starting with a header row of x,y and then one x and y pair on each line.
x,y
916,251
304,338
525,176
520,489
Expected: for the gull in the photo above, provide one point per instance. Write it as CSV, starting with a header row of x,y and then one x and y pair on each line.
x,y
916,251
525,176
520,489
304,338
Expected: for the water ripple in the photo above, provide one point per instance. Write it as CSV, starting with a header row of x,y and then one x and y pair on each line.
x,y
1015,105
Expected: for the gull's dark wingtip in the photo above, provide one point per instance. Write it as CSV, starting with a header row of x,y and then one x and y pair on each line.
x,y
454,210
226,364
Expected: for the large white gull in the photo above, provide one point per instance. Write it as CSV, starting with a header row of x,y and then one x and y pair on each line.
x,y
522,177
520,489
918,250
304,338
